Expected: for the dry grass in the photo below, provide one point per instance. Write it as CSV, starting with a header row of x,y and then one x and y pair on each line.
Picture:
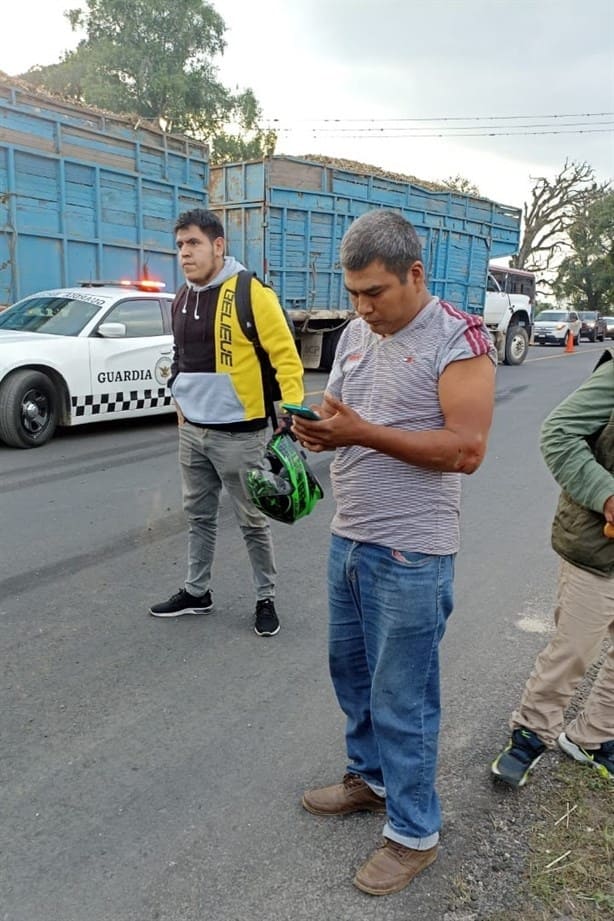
x,y
571,869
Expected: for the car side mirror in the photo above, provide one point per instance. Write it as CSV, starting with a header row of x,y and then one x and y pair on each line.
x,y
112,330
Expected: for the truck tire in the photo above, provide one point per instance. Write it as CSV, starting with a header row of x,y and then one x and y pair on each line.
x,y
516,345
329,347
28,409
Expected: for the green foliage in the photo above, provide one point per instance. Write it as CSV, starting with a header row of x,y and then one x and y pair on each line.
x,y
461,184
227,147
155,58
586,276
65,78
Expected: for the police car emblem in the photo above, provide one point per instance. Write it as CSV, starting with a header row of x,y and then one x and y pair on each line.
x,y
162,371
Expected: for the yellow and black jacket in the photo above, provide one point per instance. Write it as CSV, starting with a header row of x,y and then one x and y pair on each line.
x,y
216,378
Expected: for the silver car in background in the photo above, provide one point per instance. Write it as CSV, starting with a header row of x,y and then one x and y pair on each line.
x,y
554,326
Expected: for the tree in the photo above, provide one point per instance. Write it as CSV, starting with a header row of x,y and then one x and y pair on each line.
x,y
65,78
586,276
155,58
460,183
550,213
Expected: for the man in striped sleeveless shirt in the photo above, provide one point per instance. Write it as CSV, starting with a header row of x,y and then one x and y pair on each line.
x,y
407,409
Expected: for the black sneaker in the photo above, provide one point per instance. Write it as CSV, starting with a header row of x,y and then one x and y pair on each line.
x,y
182,603
602,758
267,621
518,758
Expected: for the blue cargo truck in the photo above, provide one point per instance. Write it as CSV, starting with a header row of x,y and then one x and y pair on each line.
x,y
87,195
284,218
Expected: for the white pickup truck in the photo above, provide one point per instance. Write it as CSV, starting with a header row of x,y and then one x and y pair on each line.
x,y
508,312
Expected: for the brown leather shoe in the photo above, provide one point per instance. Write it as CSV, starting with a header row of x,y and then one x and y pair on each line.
x,y
391,867
352,795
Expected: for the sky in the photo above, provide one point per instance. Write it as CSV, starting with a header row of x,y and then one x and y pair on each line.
x,y
387,82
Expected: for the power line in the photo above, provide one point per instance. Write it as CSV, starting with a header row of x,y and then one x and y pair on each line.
x,y
483,134
367,132
440,118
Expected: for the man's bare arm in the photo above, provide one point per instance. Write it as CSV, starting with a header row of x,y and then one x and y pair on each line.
x,y
466,394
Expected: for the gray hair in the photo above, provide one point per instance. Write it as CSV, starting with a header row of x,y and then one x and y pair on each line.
x,y
383,236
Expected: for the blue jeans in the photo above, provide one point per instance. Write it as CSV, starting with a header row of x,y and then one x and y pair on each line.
x,y
388,613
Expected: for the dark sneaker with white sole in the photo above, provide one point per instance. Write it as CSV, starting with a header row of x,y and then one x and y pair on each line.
x,y
267,621
602,758
182,603
518,758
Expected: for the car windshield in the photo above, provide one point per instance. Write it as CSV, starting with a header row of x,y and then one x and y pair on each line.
x,y
588,314
58,316
552,315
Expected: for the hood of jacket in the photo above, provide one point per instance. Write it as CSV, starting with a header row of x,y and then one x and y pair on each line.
x,y
231,267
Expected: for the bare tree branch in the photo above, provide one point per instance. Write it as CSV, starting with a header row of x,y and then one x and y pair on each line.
x,y
552,211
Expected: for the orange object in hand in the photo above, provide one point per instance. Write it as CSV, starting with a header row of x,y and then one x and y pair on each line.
x,y
608,529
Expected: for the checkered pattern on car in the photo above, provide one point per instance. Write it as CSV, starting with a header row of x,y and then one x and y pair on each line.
x,y
98,404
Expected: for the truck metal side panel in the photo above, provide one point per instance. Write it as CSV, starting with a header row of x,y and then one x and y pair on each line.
x,y
285,218
84,195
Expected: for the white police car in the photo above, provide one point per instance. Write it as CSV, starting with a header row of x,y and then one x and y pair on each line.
x,y
76,355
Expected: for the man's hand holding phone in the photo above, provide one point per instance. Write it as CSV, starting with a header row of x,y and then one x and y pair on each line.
x,y
303,418
304,412
335,426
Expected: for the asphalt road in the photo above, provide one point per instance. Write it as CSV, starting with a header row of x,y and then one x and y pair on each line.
x,y
151,770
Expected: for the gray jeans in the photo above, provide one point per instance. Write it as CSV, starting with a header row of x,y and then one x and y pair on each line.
x,y
211,458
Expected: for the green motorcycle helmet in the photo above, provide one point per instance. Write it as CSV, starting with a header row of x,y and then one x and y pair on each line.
x,y
286,489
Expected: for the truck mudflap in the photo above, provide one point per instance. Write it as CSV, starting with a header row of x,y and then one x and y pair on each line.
x,y
318,347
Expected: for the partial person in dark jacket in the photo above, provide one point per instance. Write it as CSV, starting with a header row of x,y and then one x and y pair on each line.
x,y
578,446
216,382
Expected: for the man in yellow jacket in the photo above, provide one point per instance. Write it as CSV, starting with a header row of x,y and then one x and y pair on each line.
x,y
216,382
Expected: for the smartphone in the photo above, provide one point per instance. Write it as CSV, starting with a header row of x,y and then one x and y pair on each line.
x,y
303,411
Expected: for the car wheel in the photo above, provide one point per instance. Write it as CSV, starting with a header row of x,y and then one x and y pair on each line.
x,y
516,345
28,409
